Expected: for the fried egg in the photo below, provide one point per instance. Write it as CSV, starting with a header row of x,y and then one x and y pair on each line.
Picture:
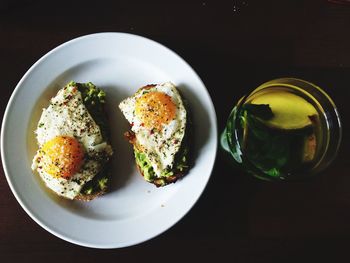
x,y
71,147
157,117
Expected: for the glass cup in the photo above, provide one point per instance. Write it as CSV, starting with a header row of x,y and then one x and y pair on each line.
x,y
286,129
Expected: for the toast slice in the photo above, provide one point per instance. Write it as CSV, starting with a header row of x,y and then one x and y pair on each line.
x,y
181,163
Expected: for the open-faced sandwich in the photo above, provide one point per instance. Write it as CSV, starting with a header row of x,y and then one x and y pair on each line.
x,y
159,128
74,149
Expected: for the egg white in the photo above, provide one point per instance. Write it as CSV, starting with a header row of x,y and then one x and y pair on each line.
x,y
68,116
162,146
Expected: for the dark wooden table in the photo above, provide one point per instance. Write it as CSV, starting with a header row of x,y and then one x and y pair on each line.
x,y
234,46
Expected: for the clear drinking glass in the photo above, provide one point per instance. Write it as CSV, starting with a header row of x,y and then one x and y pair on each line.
x,y
285,129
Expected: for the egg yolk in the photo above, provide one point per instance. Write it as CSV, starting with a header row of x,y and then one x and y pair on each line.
x,y
155,109
62,156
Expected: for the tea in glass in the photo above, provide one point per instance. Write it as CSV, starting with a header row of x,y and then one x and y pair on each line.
x,y
285,129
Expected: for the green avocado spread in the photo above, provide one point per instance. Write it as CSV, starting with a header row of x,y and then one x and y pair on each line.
x,y
180,166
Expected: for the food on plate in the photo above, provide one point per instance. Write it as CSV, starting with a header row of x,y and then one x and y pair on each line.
x,y
74,150
159,132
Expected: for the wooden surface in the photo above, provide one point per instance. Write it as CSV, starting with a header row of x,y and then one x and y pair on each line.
x,y
234,46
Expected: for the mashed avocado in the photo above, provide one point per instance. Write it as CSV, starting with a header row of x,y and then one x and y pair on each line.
x,y
181,165
94,100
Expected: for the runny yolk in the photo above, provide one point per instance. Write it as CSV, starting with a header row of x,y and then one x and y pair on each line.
x,y
155,109
62,156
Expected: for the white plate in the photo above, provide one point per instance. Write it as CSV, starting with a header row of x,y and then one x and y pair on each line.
x,y
134,211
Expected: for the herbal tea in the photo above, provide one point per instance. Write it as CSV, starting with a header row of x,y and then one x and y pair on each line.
x,y
278,132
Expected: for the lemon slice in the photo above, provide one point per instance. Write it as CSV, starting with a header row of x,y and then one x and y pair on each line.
x,y
290,111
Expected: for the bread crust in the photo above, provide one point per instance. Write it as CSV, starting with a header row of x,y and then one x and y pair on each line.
x,y
89,197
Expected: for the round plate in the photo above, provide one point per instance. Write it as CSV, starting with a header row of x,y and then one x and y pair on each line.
x,y
134,210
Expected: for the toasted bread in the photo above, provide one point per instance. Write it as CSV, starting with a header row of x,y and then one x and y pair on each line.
x,y
89,197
